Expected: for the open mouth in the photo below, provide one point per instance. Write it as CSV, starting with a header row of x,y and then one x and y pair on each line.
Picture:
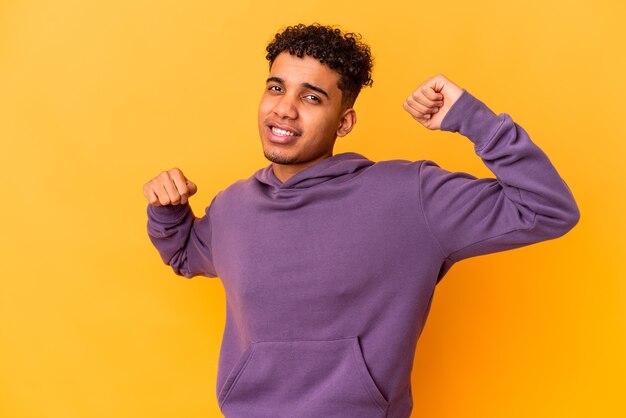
x,y
281,135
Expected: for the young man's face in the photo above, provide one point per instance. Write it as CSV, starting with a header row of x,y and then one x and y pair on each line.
x,y
301,113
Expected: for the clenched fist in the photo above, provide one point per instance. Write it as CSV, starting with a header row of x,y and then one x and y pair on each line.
x,y
432,100
169,188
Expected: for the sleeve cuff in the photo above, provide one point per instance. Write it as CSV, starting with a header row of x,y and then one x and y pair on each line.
x,y
471,118
168,213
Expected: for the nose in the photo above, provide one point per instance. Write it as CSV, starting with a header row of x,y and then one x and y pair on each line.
x,y
286,107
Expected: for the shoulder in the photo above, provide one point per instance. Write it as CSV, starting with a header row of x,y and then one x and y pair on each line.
x,y
393,177
396,169
230,195
237,189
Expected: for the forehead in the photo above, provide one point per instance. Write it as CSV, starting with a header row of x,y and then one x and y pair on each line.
x,y
293,69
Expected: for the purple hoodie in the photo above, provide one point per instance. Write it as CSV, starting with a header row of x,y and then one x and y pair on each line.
x,y
329,276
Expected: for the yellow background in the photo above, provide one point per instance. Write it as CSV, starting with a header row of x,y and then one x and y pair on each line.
x,y
96,98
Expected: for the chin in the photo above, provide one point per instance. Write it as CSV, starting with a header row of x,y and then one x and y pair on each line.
x,y
278,158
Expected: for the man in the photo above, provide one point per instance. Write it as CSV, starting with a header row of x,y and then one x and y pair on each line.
x,y
329,262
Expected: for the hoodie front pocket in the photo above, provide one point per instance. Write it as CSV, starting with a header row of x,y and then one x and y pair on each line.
x,y
311,378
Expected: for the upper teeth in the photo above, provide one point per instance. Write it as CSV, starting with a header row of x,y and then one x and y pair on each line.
x,y
282,132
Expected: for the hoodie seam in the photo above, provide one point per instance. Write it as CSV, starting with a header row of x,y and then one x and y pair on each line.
x,y
430,230
492,137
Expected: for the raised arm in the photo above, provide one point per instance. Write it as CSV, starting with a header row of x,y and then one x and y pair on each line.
x,y
527,202
183,241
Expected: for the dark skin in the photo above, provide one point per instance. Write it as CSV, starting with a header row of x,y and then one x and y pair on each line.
x,y
301,114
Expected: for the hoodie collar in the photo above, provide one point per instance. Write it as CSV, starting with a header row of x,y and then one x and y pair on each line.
x,y
327,169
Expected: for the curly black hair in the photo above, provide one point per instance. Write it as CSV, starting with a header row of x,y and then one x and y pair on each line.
x,y
343,52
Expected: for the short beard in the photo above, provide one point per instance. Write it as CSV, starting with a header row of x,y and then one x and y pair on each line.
x,y
280,159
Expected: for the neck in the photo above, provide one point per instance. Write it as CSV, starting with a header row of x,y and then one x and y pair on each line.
x,y
284,172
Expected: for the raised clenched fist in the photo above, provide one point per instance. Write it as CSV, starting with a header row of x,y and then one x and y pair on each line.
x,y
169,188
430,102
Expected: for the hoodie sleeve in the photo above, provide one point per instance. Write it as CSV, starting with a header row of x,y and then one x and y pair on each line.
x,y
527,202
183,241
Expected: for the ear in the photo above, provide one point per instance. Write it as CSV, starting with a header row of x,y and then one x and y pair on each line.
x,y
347,122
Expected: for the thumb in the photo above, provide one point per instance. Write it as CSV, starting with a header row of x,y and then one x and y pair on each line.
x,y
192,187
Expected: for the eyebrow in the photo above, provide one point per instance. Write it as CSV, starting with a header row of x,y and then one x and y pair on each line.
x,y
307,85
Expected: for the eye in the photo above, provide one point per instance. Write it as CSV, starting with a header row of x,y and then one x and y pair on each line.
x,y
274,88
312,98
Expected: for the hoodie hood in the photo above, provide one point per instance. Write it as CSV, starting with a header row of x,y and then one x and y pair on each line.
x,y
345,165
